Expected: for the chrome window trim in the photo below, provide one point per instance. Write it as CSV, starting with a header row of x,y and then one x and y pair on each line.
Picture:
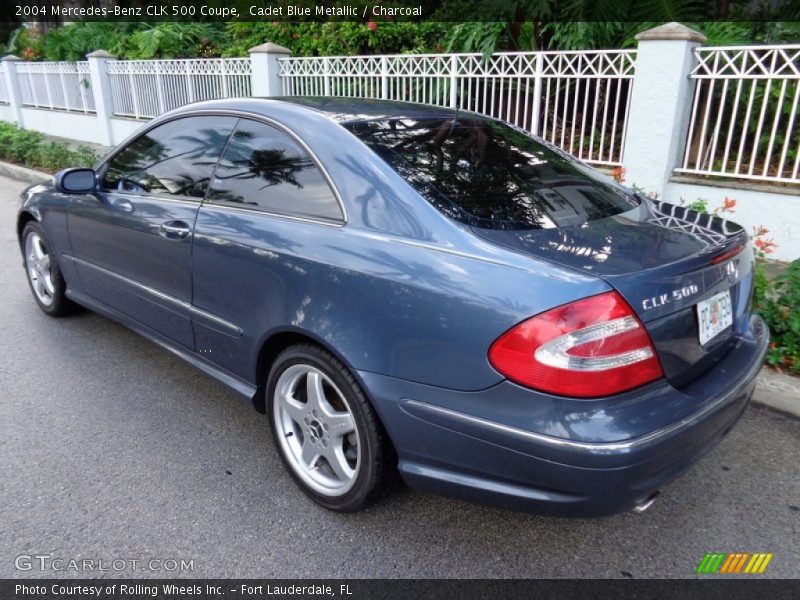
x,y
191,200
261,211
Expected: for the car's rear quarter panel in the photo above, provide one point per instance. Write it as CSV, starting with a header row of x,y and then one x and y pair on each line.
x,y
385,305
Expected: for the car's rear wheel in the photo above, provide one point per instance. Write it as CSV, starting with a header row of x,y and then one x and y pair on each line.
x,y
325,429
44,275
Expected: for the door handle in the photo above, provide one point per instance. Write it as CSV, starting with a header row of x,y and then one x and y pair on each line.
x,y
175,229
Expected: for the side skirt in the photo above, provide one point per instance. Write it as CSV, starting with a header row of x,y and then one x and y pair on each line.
x,y
245,388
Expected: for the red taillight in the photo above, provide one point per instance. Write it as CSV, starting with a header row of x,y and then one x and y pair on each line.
x,y
586,349
726,255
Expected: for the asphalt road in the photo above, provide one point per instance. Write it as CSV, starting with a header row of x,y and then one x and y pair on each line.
x,y
112,448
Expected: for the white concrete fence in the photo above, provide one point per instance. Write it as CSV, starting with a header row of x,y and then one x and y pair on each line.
x,y
685,121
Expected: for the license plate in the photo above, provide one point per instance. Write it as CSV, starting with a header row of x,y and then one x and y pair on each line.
x,y
714,315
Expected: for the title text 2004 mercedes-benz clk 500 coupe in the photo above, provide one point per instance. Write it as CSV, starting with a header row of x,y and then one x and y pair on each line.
x,y
407,287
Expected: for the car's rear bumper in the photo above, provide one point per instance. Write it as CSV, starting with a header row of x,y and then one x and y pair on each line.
x,y
520,449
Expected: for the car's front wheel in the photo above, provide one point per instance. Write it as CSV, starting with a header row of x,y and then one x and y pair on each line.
x,y
44,275
325,429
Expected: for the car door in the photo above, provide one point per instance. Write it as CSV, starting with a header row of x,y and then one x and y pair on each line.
x,y
132,241
260,243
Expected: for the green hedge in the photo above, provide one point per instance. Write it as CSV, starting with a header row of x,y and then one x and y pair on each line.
x,y
32,149
778,302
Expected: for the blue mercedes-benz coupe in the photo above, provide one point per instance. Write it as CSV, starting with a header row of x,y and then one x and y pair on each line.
x,y
411,288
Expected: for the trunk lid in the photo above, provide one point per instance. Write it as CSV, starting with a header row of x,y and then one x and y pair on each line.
x,y
663,259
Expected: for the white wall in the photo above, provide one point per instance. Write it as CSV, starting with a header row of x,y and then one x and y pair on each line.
x,y
122,128
77,126
761,205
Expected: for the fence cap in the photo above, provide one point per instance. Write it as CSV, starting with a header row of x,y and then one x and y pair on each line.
x,y
11,57
672,31
100,54
269,48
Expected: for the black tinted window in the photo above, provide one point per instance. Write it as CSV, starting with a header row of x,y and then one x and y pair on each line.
x,y
176,158
264,168
490,175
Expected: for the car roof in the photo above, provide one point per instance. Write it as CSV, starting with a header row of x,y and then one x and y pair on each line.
x,y
345,110
340,110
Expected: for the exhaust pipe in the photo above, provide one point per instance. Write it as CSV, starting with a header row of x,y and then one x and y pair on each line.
x,y
643,505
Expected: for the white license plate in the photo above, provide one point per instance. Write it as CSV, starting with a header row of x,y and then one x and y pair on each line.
x,y
714,315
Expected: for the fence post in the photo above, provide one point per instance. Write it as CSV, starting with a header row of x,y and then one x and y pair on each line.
x,y
660,104
536,109
384,77
453,81
326,68
101,90
12,86
265,69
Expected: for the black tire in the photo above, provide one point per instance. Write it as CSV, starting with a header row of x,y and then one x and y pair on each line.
x,y
375,451
59,305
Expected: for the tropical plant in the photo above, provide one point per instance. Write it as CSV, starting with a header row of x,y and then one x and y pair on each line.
x,y
178,40
337,37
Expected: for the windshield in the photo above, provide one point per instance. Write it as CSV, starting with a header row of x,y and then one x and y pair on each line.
x,y
491,175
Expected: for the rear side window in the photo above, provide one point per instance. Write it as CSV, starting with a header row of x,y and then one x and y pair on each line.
x,y
490,175
176,158
263,168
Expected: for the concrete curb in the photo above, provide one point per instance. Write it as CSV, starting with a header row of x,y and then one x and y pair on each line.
x,y
778,391
773,389
23,173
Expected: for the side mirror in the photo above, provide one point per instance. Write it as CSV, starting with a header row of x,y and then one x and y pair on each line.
x,y
76,181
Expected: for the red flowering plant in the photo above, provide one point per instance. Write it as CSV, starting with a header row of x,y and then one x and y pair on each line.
x,y
762,243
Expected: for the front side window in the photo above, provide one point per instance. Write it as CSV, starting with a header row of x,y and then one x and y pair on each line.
x,y
175,159
490,175
263,168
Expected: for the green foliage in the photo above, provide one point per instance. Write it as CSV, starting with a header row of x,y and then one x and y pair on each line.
x,y
75,41
477,37
761,285
25,43
779,303
178,40
31,149
699,205
128,40
15,143
511,25
337,38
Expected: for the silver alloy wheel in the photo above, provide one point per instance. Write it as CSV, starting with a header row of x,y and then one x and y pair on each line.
x,y
316,429
38,262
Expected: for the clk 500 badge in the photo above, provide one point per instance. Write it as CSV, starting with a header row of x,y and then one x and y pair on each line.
x,y
664,299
